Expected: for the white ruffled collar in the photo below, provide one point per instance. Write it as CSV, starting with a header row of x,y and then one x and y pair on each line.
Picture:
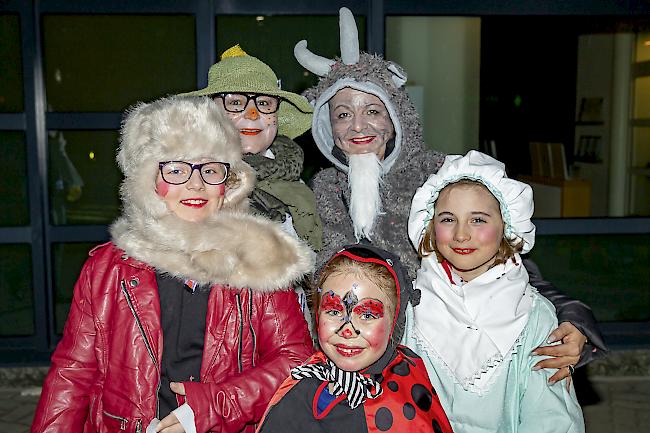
x,y
474,327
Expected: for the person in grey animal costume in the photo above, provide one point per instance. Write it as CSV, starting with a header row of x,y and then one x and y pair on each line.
x,y
375,208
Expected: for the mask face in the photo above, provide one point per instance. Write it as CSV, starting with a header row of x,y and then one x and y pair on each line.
x,y
193,200
360,122
354,321
257,130
468,228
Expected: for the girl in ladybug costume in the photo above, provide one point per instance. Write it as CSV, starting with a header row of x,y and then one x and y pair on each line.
x,y
361,380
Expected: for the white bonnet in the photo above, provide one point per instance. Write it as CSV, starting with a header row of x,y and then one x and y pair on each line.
x,y
515,198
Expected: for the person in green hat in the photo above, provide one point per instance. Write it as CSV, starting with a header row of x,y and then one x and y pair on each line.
x,y
268,119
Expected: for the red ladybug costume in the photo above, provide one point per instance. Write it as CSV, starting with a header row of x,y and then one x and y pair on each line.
x,y
408,402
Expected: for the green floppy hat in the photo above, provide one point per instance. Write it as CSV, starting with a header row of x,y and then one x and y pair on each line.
x,y
237,72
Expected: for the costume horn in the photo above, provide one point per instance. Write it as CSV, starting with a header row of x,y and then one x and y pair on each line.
x,y
349,37
313,63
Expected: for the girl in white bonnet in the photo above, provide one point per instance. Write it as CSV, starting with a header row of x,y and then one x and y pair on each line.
x,y
479,318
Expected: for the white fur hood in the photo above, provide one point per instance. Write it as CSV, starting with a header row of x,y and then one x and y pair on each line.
x,y
232,248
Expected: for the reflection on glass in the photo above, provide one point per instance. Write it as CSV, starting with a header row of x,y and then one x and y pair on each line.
x,y
554,88
643,47
83,177
16,291
445,92
642,98
67,260
13,182
608,272
640,172
11,83
108,62
272,38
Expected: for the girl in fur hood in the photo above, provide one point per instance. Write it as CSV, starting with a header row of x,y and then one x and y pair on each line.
x,y
187,316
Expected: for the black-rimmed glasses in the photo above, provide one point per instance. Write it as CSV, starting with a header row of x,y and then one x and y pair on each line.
x,y
179,172
237,102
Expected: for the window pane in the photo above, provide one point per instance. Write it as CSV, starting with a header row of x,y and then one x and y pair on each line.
x,y
11,84
608,272
643,47
108,62
83,177
67,260
13,185
445,93
272,38
16,292
640,172
642,98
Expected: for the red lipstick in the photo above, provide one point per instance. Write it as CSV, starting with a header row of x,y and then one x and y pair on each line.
x,y
194,202
464,251
249,131
347,351
362,140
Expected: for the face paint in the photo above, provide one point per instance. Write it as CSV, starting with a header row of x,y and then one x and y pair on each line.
x,y
331,302
162,188
353,327
468,228
193,200
370,308
360,122
349,300
257,130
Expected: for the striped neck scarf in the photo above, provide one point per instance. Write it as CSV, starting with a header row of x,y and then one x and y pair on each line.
x,y
353,384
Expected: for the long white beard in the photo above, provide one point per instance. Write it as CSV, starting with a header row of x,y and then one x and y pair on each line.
x,y
364,181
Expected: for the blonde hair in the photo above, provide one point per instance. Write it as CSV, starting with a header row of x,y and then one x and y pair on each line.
x,y
507,249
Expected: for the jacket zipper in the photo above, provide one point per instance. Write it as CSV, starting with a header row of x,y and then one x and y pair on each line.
x,y
250,325
123,421
241,333
129,301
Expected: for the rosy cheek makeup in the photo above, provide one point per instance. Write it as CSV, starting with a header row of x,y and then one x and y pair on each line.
x,y
378,335
327,328
221,188
162,188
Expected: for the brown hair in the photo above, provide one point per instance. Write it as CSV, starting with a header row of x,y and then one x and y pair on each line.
x,y
427,245
232,181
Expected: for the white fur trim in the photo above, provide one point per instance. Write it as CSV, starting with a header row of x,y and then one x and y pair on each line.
x,y
231,248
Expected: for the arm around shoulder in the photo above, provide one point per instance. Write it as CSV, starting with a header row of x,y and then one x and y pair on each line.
x,y
573,311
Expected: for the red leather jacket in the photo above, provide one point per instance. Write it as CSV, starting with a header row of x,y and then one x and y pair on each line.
x,y
105,371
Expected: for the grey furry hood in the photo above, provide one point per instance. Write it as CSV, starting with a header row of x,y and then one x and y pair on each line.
x,y
367,73
231,247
